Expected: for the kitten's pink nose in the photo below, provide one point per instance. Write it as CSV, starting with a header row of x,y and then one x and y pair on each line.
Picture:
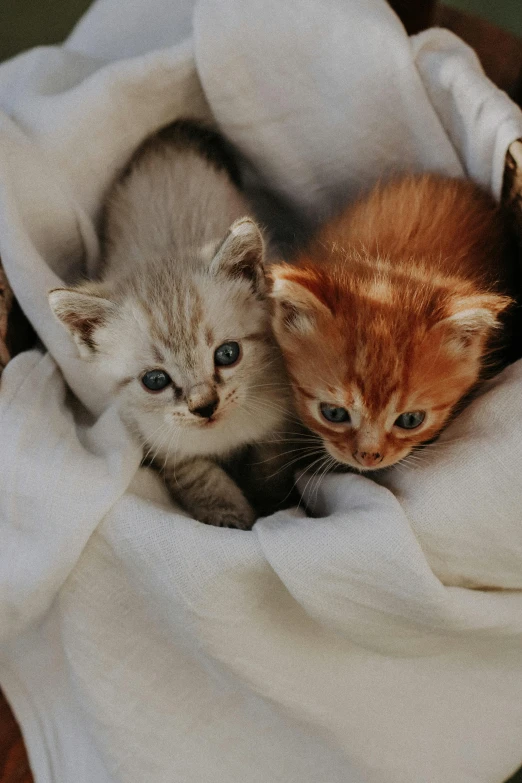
x,y
369,459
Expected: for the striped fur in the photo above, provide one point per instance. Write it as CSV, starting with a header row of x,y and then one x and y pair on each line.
x,y
182,273
392,309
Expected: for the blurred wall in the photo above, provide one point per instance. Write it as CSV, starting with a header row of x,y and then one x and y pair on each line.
x,y
26,23
504,13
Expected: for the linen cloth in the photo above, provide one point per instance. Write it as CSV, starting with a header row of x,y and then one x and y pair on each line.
x,y
139,645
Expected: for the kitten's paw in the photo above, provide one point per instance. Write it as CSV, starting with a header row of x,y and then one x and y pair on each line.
x,y
240,518
209,494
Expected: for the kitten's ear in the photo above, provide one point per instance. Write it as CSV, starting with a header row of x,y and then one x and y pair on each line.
x,y
242,254
296,307
81,314
472,317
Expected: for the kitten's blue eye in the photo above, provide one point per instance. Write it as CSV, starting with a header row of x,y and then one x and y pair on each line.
x,y
409,421
227,354
334,414
156,380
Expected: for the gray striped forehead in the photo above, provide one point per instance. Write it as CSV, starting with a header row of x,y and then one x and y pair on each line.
x,y
182,318
175,317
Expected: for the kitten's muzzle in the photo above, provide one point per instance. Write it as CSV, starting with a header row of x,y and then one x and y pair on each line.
x,y
205,411
368,459
203,400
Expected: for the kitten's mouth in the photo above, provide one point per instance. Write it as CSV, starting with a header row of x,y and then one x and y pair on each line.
x,y
350,462
361,468
386,463
202,424
210,422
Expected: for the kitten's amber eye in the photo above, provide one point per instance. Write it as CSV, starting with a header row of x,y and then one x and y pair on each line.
x,y
334,414
156,380
227,354
409,421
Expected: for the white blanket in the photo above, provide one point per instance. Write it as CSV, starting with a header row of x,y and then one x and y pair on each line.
x,y
139,645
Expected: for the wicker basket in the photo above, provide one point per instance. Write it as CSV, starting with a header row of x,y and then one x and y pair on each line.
x,y
6,303
512,187
501,56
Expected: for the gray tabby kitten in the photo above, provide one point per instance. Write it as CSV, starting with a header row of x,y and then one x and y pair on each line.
x,y
179,324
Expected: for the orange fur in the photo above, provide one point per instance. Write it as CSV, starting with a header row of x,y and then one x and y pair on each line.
x,y
390,310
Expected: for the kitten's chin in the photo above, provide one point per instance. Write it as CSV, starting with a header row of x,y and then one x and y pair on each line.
x,y
205,424
227,431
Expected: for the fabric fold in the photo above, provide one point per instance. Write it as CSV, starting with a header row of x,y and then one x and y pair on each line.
x,y
137,644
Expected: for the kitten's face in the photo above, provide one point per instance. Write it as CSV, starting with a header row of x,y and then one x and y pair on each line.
x,y
373,382
193,365
196,385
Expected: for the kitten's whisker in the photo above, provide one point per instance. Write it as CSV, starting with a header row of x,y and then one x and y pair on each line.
x,y
167,450
451,441
276,385
282,454
413,456
263,366
281,411
159,445
297,435
292,462
319,475
276,406
292,442
328,466
161,427
176,458
156,447
269,406
302,432
320,460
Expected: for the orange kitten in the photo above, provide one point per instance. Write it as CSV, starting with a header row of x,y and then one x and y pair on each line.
x,y
386,319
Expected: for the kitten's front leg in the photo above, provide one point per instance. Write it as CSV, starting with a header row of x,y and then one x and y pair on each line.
x,y
207,492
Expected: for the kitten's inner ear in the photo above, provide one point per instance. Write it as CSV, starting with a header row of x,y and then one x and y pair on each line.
x,y
296,307
81,314
473,317
241,255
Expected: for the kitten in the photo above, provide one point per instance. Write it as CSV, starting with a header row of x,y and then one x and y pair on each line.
x,y
179,324
387,319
